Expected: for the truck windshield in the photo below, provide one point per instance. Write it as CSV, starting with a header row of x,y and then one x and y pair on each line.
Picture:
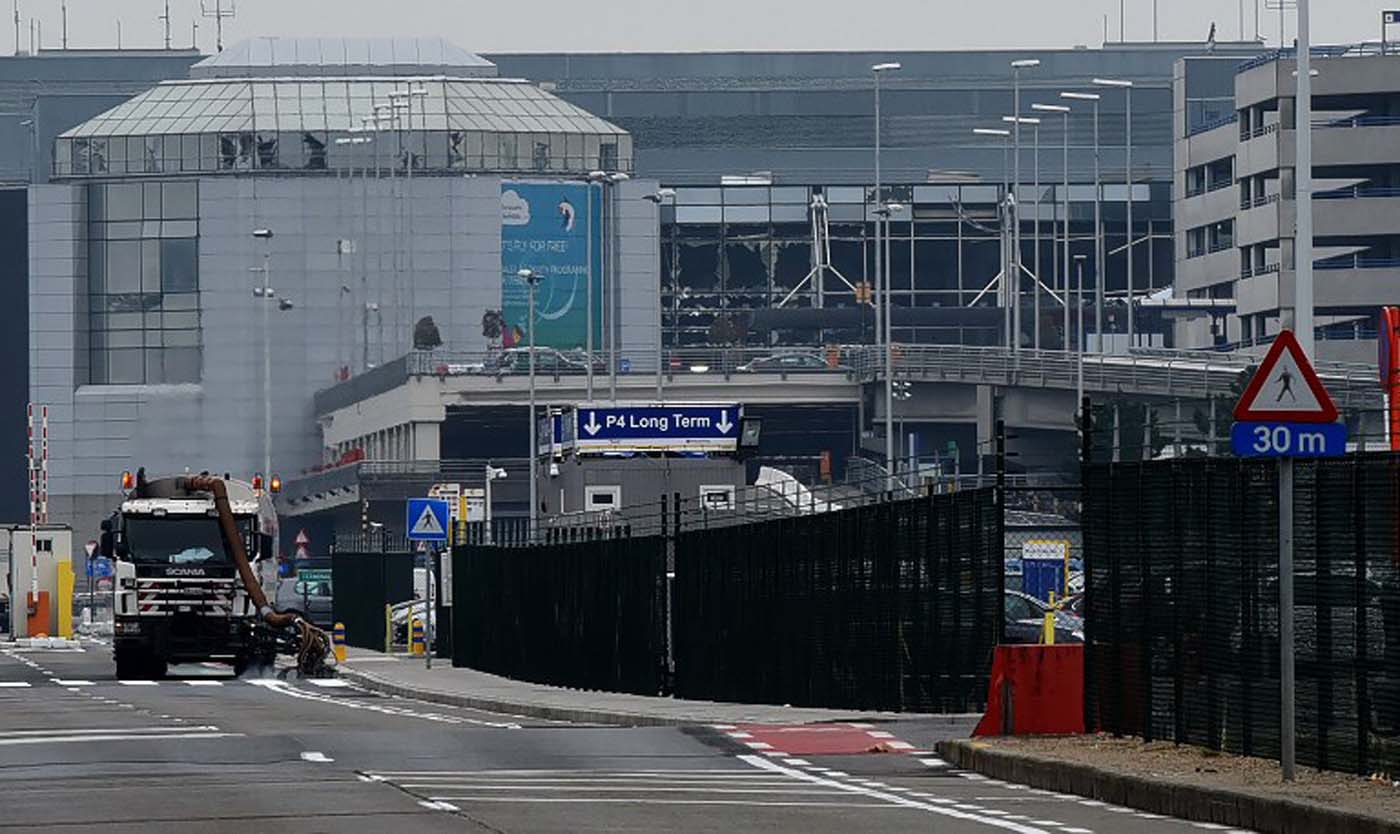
x,y
175,541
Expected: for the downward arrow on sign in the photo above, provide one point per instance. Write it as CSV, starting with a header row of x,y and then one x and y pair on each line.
x,y
592,426
724,425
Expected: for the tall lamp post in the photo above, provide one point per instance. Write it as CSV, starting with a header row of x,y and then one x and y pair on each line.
x,y
657,199
879,70
612,268
1064,111
1004,135
266,294
532,280
1035,273
1079,304
1127,88
352,141
1016,67
1100,269
883,214
600,179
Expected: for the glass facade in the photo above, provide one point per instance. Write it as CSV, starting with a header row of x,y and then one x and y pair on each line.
x,y
143,283
291,124
729,252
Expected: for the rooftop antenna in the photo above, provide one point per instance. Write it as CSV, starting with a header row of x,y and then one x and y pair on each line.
x,y
63,13
194,34
18,45
221,9
119,34
166,17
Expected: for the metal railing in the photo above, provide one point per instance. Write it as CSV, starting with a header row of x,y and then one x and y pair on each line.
x,y
1247,203
1355,50
1231,118
1357,262
1357,121
1150,372
1263,130
1358,192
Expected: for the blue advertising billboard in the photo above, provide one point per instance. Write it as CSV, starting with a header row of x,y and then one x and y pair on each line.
x,y
545,227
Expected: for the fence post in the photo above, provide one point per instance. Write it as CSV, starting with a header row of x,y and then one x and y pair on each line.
x,y
1086,453
1363,696
999,620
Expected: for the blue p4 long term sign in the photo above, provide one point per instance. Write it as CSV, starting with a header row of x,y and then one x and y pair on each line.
x,y
659,428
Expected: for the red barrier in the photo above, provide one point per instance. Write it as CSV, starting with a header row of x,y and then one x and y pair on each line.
x,y
1035,690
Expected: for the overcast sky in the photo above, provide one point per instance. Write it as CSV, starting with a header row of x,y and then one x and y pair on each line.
x,y
659,25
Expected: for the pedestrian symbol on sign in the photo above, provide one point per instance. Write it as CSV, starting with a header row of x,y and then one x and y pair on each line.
x,y
427,519
427,524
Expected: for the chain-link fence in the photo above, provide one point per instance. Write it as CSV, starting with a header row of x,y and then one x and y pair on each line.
x,y
1181,566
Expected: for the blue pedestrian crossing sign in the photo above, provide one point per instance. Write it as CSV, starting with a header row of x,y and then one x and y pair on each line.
x,y
428,520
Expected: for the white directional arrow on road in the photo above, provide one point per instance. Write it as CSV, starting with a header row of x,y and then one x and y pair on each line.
x,y
724,425
592,426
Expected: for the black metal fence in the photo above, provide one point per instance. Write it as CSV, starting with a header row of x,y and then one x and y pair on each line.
x,y
364,582
889,606
588,615
1182,600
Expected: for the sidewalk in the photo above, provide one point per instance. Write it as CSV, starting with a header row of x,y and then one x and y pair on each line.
x,y
406,677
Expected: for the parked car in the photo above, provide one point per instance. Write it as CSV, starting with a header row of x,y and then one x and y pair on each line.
x,y
788,363
1025,620
548,361
313,598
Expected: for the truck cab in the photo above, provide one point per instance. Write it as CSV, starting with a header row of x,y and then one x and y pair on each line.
x,y
178,597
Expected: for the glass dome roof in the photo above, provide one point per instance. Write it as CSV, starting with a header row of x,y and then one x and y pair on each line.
x,y
435,123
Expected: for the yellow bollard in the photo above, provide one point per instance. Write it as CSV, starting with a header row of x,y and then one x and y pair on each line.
x,y
416,641
1048,632
338,641
65,599
388,628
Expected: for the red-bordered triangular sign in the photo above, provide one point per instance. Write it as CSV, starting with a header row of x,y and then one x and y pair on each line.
x,y
1286,388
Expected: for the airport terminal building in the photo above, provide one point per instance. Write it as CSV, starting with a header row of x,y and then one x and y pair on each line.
x,y
411,178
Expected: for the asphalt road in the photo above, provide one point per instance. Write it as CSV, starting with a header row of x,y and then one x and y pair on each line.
x,y
201,751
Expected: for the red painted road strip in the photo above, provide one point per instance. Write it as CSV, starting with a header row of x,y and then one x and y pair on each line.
x,y
818,739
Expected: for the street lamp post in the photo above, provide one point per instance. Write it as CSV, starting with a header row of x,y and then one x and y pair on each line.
x,y
657,199
352,142
883,214
600,179
879,70
612,267
1100,269
1127,88
1021,271
1004,135
1064,111
266,293
1016,67
532,280
1079,304
493,473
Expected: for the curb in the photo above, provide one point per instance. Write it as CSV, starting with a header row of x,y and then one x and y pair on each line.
x,y
375,683
1236,809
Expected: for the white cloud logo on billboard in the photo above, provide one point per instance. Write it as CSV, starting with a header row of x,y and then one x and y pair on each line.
x,y
515,210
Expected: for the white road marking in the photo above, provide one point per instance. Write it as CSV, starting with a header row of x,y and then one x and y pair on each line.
x,y
759,745
106,730
439,806
284,688
933,762
899,745
599,800
860,726
1210,826
14,684
204,683
1077,830
797,762
880,734
315,756
896,799
139,683
6,742
76,682
626,789
328,683
740,734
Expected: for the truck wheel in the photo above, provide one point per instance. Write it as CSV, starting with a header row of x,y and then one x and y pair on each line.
x,y
131,665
